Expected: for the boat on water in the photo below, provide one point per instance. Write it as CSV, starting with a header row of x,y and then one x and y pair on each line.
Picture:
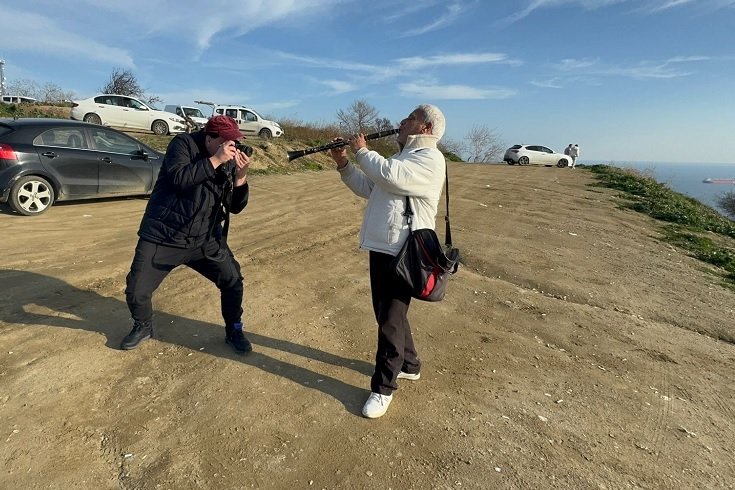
x,y
718,181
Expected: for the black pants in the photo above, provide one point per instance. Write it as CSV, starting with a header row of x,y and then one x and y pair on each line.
x,y
152,263
396,351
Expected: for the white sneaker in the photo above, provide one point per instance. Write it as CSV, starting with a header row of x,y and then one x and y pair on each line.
x,y
376,405
409,376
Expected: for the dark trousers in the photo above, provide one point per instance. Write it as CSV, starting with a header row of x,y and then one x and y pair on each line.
x,y
153,262
396,351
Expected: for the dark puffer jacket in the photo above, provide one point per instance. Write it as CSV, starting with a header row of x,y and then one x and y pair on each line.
x,y
185,201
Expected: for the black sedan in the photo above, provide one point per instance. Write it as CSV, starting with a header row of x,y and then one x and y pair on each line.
x,y
47,160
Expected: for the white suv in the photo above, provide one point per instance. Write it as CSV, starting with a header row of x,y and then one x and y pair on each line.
x,y
126,112
251,123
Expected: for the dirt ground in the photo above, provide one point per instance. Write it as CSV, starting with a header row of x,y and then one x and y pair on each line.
x,y
573,351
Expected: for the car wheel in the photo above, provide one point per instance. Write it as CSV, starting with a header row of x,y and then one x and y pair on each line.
x,y
523,161
159,127
92,118
562,163
31,195
510,162
265,133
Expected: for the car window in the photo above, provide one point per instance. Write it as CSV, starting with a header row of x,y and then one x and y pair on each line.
x,y
62,138
220,111
547,150
248,116
47,138
515,147
113,142
193,112
111,100
136,105
532,148
232,113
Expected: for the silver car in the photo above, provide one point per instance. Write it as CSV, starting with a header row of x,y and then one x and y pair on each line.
x,y
535,155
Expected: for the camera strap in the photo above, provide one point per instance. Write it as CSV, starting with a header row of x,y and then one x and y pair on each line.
x,y
223,206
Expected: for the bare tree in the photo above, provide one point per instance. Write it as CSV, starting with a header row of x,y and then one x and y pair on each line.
x,y
383,123
358,118
483,145
53,94
124,82
25,88
726,202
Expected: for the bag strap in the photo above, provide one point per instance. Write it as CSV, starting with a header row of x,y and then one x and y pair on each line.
x,y
408,212
224,204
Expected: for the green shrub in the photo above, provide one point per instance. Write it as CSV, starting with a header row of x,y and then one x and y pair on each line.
x,y
688,217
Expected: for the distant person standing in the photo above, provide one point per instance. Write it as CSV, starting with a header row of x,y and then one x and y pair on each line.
x,y
568,149
574,154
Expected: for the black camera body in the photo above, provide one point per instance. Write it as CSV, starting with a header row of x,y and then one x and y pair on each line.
x,y
248,150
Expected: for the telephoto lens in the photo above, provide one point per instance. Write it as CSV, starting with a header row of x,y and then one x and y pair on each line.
x,y
248,150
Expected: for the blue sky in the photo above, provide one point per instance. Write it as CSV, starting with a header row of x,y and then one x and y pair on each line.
x,y
643,80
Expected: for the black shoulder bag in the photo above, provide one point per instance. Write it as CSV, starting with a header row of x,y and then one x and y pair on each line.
x,y
423,263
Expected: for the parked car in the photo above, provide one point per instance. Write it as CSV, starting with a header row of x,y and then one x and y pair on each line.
x,y
251,123
126,112
536,155
47,160
194,113
17,99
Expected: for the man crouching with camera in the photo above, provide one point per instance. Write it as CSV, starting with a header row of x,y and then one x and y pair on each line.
x,y
202,179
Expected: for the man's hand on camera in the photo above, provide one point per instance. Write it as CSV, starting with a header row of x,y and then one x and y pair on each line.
x,y
224,154
242,164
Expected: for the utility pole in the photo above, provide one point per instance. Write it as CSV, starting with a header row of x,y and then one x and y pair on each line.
x,y
2,77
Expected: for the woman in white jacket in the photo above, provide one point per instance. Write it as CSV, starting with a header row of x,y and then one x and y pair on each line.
x,y
417,171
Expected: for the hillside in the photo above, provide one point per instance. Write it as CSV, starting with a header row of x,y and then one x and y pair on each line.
x,y
574,350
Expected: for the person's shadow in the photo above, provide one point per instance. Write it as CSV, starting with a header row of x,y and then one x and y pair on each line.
x,y
36,299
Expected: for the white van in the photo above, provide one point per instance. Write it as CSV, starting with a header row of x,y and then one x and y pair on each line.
x,y
194,113
17,99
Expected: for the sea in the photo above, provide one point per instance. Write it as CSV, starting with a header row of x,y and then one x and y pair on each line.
x,y
686,178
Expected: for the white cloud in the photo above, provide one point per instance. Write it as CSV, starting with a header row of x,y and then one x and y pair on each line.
x,y
574,64
453,12
550,83
464,92
338,86
645,6
668,5
582,70
399,11
36,33
418,62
